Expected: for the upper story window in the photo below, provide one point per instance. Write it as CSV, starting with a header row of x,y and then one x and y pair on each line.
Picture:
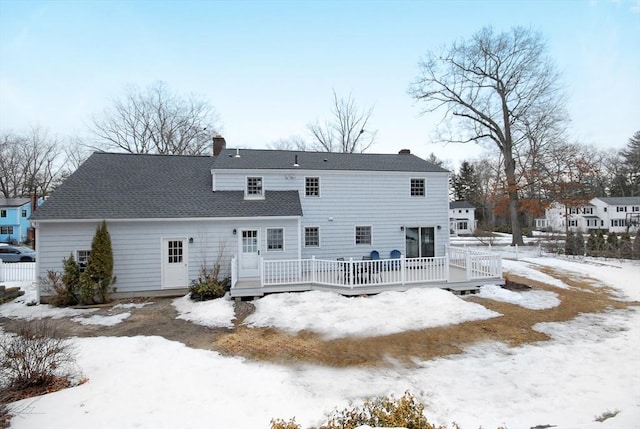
x,y
23,213
312,186
363,235
635,209
418,188
3,213
254,187
574,210
275,239
588,210
621,208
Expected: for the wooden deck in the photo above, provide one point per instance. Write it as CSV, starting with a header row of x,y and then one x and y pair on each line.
x,y
457,283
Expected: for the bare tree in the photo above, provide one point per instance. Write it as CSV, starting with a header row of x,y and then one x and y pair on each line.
x,y
496,87
30,163
156,120
346,131
289,143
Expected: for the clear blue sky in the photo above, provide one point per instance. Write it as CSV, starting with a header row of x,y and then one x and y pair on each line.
x,y
269,67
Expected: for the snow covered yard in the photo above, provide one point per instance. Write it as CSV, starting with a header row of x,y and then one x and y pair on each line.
x,y
589,367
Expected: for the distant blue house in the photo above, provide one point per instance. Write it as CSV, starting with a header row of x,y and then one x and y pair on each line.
x,y
14,219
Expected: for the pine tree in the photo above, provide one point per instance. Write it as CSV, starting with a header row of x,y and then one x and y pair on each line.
x,y
98,278
71,281
626,247
465,184
600,243
592,243
636,246
579,244
569,244
612,243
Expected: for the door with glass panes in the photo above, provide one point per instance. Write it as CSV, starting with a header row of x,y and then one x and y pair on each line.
x,y
419,242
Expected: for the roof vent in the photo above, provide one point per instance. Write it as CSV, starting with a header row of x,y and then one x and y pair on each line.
x,y
295,164
237,153
404,152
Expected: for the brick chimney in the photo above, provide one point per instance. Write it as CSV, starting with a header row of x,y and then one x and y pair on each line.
x,y
404,152
219,143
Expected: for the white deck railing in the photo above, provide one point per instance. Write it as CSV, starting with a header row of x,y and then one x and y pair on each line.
x,y
477,263
354,273
17,272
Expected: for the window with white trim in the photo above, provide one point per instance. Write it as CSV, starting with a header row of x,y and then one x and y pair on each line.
x,y
461,225
311,236
635,209
592,223
6,229
312,186
275,239
82,258
418,188
3,213
574,210
254,187
618,222
621,209
363,235
588,210
23,213
573,222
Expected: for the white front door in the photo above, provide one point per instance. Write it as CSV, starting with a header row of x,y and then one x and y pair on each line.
x,y
249,253
175,270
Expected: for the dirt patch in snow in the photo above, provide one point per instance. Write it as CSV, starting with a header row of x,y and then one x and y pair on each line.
x,y
514,328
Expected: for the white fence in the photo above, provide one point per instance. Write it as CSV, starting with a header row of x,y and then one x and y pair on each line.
x,y
17,272
477,263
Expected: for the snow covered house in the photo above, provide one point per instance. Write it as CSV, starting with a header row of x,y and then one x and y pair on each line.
x,y
612,214
462,217
272,220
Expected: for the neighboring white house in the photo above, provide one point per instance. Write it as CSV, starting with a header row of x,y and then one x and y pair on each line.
x,y
613,214
462,217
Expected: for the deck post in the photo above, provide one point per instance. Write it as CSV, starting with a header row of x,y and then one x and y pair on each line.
x,y
446,265
261,268
467,257
403,266
351,273
313,269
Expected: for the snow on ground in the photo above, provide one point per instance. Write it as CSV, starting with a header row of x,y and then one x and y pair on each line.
x,y
337,316
589,367
532,299
18,309
111,320
214,313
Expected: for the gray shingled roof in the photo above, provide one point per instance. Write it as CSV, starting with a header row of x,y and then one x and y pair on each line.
x,y
460,205
13,202
126,186
621,201
281,159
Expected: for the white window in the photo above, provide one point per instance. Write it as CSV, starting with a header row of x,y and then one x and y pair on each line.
x,y
588,210
621,208
82,258
312,186
363,235
418,188
254,186
618,222
311,236
275,239
462,225
573,222
573,210
592,223
635,209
